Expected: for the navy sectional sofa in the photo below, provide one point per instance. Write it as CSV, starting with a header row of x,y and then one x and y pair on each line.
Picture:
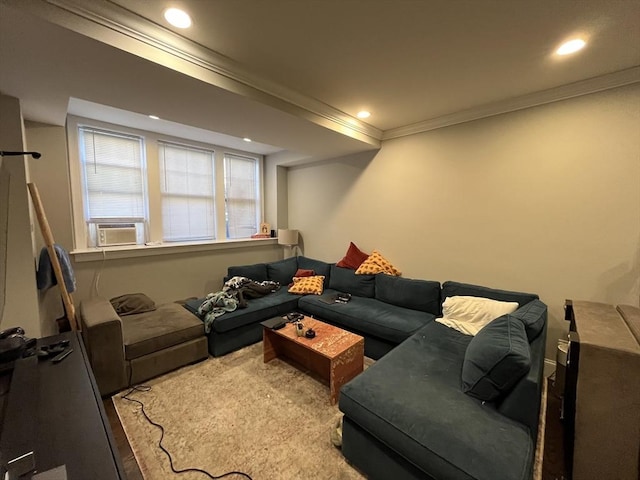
x,y
437,404
406,416
385,310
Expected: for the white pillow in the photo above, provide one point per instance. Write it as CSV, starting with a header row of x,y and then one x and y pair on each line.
x,y
469,314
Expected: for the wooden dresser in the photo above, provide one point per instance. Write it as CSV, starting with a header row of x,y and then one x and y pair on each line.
x,y
602,393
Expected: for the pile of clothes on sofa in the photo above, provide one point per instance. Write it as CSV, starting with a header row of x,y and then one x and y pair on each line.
x,y
235,294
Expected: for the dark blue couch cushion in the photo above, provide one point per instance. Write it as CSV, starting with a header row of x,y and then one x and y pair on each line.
x,y
496,358
282,271
451,289
346,280
411,401
258,309
534,317
257,272
420,295
318,266
378,319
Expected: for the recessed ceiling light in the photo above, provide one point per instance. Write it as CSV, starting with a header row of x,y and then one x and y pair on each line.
x,y
571,46
246,139
154,117
363,114
177,18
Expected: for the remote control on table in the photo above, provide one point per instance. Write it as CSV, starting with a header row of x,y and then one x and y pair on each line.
x,y
61,356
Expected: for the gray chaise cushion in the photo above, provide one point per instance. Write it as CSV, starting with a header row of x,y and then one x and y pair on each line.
x,y
132,303
411,401
496,358
169,324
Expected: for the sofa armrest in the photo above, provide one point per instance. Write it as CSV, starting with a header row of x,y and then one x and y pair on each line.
x,y
102,336
522,404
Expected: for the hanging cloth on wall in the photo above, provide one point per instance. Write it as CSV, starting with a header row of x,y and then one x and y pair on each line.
x,y
70,320
46,276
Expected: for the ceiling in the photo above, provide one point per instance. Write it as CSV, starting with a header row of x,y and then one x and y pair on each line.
x,y
292,74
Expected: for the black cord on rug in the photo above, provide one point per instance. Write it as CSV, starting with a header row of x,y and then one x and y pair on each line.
x,y
145,388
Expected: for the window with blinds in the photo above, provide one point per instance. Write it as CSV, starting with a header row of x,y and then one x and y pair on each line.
x,y
139,187
114,176
241,195
187,187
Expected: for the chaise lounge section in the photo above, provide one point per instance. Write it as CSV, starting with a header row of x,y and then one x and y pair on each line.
x,y
128,349
407,416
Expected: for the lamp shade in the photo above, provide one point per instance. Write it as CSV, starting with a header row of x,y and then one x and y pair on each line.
x,y
288,237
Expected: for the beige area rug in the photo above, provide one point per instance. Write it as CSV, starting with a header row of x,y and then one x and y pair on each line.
x,y
537,466
271,421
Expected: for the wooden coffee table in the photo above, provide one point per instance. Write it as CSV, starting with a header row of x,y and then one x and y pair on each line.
x,y
336,355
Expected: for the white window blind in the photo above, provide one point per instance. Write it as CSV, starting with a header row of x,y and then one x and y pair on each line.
x,y
114,183
241,195
187,187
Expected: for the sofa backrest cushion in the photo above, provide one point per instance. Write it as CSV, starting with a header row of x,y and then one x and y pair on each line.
x,y
422,295
346,280
534,316
282,271
495,359
451,289
318,266
257,272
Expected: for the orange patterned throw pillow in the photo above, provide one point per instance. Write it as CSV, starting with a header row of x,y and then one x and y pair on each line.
x,y
376,263
308,285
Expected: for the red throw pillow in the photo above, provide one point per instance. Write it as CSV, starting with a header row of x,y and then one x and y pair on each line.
x,y
301,272
354,257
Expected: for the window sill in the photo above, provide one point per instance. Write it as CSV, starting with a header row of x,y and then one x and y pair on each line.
x,y
131,251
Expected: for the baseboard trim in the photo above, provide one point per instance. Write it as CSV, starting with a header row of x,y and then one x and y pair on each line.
x,y
549,367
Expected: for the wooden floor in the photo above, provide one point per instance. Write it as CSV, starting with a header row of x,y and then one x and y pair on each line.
x,y
553,465
128,460
553,462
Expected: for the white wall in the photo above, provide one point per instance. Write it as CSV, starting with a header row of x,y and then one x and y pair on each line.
x,y
166,278
17,271
545,200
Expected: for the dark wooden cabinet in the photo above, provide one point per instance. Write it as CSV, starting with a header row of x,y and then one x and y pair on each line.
x,y
55,411
602,394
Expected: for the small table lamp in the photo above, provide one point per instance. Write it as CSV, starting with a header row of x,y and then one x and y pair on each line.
x,y
288,238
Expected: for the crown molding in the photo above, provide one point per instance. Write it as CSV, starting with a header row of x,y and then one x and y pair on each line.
x,y
564,92
109,23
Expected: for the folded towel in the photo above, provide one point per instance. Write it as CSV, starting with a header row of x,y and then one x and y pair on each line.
x,y
46,277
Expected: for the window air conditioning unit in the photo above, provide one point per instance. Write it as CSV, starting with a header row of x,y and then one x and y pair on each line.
x,y
110,234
